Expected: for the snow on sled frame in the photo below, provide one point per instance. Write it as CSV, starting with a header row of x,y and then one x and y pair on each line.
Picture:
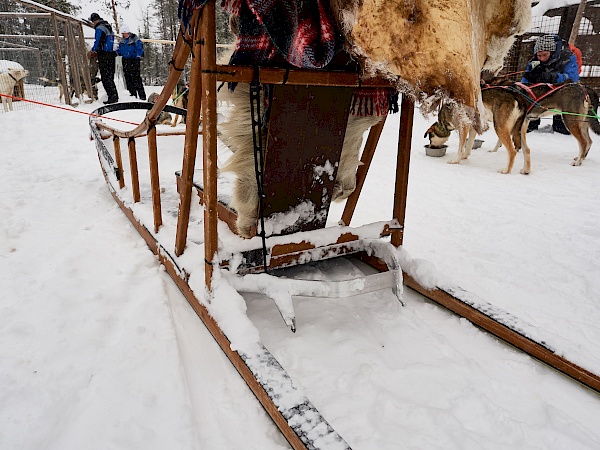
x,y
301,424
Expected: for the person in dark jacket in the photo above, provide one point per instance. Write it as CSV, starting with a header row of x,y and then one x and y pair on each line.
x,y
132,50
553,63
104,49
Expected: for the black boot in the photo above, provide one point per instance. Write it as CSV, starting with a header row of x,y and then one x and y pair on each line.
x,y
533,125
558,125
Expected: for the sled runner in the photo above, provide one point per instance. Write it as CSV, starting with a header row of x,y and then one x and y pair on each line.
x,y
206,238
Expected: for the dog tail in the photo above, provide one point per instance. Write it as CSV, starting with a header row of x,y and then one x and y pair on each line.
x,y
594,112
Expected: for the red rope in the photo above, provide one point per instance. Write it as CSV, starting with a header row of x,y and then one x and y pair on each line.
x,y
67,109
511,73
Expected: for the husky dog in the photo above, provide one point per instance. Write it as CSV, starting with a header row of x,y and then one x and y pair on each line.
x,y
236,133
511,106
180,99
579,105
8,80
164,118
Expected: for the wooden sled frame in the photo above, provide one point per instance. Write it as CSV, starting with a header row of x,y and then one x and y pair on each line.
x,y
205,74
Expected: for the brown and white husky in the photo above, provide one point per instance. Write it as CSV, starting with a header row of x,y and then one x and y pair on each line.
x,y
511,106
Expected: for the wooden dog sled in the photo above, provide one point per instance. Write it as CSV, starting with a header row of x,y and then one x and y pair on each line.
x,y
299,421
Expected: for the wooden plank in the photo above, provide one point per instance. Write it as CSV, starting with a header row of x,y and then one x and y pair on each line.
x,y
119,160
224,213
209,138
59,59
508,335
295,253
306,133
20,15
154,179
87,78
407,111
191,142
74,62
122,134
492,326
300,77
133,168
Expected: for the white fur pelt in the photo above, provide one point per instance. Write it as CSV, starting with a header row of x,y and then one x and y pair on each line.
x,y
236,133
8,80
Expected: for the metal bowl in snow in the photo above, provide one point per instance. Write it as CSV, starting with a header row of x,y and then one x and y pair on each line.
x,y
477,143
435,151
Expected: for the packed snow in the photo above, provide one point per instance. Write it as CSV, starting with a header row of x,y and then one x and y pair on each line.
x,y
100,349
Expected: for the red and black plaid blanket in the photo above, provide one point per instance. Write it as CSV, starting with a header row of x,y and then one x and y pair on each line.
x,y
300,33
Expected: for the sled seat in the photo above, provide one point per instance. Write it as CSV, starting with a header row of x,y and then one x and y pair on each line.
x,y
305,136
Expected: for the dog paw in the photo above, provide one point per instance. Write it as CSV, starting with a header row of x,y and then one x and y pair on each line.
x,y
504,171
455,160
577,162
525,171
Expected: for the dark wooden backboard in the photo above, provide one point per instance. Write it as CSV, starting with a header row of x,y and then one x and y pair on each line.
x,y
306,133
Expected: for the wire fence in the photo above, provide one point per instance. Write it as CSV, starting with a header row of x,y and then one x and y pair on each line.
x,y
588,41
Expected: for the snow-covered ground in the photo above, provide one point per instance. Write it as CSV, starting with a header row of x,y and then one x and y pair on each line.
x,y
100,350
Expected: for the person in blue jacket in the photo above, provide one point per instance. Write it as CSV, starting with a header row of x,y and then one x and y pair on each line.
x,y
104,49
132,50
552,62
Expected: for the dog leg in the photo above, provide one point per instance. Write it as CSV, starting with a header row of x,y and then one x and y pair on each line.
x,y
496,147
580,131
470,141
526,150
506,139
463,152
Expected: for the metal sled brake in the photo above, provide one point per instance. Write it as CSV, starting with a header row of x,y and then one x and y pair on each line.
x,y
301,424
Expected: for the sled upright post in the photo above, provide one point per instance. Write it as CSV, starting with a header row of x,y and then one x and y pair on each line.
x,y
191,134
407,111
209,137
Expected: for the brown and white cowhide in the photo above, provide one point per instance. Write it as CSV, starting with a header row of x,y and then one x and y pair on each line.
x,y
436,48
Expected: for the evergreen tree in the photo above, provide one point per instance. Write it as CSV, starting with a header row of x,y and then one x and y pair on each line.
x,y
61,5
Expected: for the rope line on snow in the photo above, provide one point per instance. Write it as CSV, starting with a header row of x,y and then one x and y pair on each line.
x,y
66,109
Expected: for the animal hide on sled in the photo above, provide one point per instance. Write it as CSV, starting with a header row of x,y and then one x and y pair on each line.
x,y
434,49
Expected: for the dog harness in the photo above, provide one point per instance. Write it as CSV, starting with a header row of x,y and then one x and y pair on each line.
x,y
530,95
